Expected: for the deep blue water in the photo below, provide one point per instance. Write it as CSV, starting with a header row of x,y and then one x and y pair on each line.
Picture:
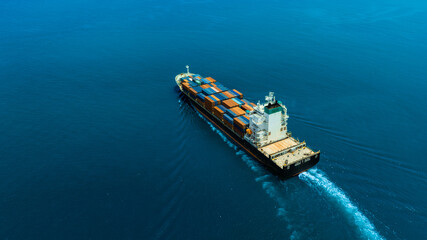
x,y
96,143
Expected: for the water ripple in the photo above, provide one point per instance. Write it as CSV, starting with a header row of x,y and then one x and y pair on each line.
x,y
317,179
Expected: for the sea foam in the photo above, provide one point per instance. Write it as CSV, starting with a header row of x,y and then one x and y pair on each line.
x,y
317,179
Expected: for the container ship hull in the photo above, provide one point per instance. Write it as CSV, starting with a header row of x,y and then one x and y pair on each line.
x,y
259,129
270,165
283,155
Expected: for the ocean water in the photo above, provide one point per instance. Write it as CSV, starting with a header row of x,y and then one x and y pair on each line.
x,y
96,142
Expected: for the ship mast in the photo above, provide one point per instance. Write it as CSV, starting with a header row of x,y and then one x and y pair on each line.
x,y
188,69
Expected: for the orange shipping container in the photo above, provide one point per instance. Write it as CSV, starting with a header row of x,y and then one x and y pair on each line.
x,y
192,92
217,89
186,87
239,123
240,94
247,107
211,79
238,111
215,98
218,112
229,103
205,86
209,103
229,95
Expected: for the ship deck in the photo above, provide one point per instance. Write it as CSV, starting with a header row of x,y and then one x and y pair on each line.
x,y
286,151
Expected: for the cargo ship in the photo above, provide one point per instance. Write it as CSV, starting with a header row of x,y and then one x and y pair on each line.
x,y
259,129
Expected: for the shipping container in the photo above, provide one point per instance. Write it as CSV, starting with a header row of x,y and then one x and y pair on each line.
x,y
241,123
221,96
240,95
245,118
235,112
219,111
211,79
193,84
211,101
229,103
229,94
186,87
238,101
228,121
216,89
204,86
224,96
247,107
221,87
201,96
228,118
239,111
204,81
192,93
198,89
209,91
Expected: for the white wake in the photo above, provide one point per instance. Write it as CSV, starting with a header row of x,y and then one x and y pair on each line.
x,y
317,179
314,178
271,189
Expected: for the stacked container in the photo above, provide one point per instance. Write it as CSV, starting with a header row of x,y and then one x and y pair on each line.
x,y
193,91
235,112
247,106
240,125
221,87
211,101
240,95
230,94
221,96
211,79
228,120
234,102
219,111
200,98
186,87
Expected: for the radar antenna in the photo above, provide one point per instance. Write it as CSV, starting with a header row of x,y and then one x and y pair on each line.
x,y
270,98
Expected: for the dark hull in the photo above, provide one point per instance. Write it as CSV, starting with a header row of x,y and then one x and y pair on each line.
x,y
292,170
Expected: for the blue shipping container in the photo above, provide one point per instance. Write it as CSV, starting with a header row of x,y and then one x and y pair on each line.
x,y
198,89
238,101
201,96
222,108
216,102
222,88
244,120
208,91
218,95
235,93
231,113
228,118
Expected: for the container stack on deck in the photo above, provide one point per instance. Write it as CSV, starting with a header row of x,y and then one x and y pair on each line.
x,y
225,104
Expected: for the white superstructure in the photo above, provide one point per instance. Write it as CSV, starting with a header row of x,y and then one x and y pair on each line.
x,y
268,122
